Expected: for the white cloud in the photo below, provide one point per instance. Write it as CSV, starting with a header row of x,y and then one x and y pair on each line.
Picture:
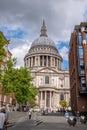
x,y
64,53
19,52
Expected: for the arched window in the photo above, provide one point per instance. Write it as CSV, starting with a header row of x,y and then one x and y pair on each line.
x,y
46,80
61,96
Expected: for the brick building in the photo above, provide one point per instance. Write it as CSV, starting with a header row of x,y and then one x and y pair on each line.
x,y
78,68
6,100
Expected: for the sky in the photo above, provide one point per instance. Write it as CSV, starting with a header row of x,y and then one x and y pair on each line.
x,y
21,21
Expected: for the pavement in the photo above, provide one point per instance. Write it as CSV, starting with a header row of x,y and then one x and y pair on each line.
x,y
17,116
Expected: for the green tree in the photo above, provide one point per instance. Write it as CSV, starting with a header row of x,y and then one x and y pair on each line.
x,y
32,97
63,103
3,43
13,80
18,81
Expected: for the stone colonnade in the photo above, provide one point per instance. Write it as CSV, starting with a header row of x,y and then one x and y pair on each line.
x,y
46,99
43,61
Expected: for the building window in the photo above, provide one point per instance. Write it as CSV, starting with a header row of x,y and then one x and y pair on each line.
x,y
41,60
86,38
83,81
48,60
46,80
81,65
52,61
41,81
79,38
61,85
55,61
10,101
36,60
80,49
44,60
61,96
83,84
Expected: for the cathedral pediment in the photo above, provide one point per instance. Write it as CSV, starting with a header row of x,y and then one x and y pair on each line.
x,y
47,70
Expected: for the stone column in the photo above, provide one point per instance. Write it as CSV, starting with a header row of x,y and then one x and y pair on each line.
x,y
38,60
45,99
41,99
51,61
57,63
31,61
50,98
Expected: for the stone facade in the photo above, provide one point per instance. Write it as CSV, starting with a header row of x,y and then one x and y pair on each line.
x,y
44,62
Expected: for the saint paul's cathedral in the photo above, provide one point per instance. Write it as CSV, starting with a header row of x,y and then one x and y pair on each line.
x,y
44,62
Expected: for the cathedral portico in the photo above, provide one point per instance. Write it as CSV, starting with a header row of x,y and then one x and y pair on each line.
x,y
45,99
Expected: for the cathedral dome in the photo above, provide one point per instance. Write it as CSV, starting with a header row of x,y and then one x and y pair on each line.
x,y
43,41
43,52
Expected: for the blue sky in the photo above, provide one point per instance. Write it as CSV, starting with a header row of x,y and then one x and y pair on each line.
x,y
21,21
17,33
64,46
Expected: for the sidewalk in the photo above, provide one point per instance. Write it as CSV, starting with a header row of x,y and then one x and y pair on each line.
x,y
16,116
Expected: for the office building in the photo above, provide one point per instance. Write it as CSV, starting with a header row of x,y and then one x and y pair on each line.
x,y
78,68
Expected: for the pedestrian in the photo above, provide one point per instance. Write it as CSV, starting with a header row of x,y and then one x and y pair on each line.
x,y
66,115
2,118
29,114
6,121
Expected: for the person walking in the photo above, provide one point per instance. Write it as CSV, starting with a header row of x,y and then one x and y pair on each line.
x,y
6,115
2,118
29,114
66,115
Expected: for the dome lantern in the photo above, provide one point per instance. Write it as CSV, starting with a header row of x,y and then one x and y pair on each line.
x,y
43,30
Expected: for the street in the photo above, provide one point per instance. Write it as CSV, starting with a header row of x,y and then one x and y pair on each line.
x,y
47,123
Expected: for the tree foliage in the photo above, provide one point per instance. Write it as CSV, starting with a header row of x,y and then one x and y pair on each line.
x,y
18,81
63,103
3,42
14,80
